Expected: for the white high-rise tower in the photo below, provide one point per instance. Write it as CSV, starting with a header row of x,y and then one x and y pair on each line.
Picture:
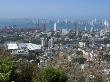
x,y
42,42
91,29
55,26
106,23
50,43
85,28
92,24
58,20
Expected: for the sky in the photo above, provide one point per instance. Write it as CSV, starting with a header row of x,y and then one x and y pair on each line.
x,y
54,8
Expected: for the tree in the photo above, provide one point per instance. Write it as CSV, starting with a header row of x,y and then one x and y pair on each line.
x,y
8,71
29,72
13,69
50,74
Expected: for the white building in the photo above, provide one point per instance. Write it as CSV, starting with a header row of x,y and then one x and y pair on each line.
x,y
12,46
50,43
22,48
42,42
64,31
55,26
82,44
31,46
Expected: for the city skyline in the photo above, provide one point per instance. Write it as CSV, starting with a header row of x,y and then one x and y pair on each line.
x,y
54,9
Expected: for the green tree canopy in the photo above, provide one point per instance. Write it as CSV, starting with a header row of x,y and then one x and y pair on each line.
x,y
50,74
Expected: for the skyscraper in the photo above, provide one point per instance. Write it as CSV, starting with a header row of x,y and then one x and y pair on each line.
x,y
55,26
50,43
91,29
85,28
42,42
106,23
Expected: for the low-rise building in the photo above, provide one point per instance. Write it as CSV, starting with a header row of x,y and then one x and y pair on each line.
x,y
22,48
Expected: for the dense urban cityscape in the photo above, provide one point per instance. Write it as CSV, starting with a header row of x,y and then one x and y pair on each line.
x,y
85,51
54,41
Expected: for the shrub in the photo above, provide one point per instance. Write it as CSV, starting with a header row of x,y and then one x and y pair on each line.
x,y
8,71
50,74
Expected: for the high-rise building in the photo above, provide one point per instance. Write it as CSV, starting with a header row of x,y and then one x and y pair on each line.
x,y
42,42
92,24
106,23
55,26
50,43
85,28
58,20
91,29
77,31
64,31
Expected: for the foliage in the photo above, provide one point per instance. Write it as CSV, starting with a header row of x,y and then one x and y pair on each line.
x,y
12,69
50,74
106,57
28,71
8,70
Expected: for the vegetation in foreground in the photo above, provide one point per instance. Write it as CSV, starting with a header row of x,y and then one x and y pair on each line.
x,y
20,70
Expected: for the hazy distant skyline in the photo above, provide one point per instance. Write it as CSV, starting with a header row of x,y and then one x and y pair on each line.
x,y
54,8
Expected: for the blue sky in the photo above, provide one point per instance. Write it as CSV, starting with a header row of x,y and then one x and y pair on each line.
x,y
54,8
